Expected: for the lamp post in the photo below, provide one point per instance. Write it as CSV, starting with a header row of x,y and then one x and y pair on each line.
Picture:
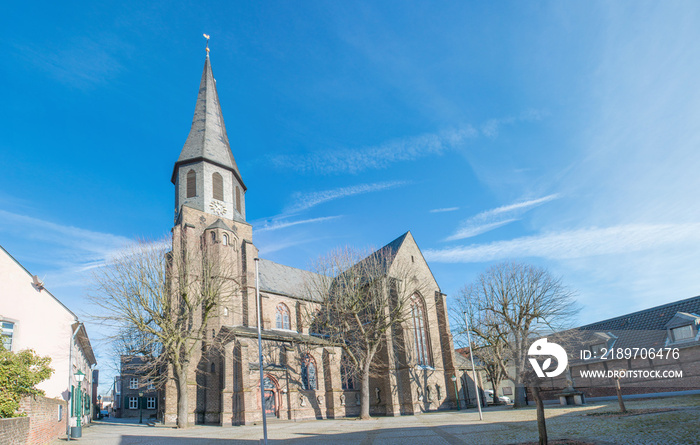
x,y
454,381
140,407
79,376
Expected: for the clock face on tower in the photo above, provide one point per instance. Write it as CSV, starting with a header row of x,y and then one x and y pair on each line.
x,y
217,208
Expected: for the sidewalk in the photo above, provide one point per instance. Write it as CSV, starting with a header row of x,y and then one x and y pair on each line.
x,y
677,424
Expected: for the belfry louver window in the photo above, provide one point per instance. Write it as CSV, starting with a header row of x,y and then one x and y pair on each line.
x,y
218,186
191,184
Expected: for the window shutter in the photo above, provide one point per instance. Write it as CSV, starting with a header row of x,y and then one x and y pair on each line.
x,y
218,186
191,184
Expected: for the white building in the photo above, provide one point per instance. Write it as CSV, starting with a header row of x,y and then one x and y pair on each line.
x,y
32,318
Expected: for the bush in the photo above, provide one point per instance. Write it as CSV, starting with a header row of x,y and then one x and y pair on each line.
x,y
19,374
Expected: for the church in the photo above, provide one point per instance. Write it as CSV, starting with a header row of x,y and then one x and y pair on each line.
x,y
309,382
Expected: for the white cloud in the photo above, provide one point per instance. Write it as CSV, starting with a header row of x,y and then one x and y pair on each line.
x,y
305,201
446,209
582,243
281,224
494,218
378,156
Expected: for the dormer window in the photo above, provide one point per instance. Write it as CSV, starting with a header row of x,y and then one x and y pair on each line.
x,y
682,333
597,349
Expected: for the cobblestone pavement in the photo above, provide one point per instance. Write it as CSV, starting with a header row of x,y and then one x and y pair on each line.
x,y
503,425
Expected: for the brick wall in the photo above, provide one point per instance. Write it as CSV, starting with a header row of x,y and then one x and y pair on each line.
x,y
14,431
44,424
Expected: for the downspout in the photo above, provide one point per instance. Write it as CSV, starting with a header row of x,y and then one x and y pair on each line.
x,y
70,379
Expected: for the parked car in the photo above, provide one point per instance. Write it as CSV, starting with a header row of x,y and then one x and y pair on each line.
x,y
104,413
501,399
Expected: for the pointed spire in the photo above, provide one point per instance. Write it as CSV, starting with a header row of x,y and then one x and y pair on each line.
x,y
208,140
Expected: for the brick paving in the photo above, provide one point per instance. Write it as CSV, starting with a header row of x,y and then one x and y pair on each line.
x,y
679,425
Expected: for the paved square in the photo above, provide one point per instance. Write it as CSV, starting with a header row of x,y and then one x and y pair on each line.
x,y
677,423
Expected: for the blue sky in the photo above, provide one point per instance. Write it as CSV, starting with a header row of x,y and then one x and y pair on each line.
x,y
563,134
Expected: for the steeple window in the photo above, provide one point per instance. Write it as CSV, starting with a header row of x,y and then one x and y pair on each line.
x,y
238,199
191,184
218,186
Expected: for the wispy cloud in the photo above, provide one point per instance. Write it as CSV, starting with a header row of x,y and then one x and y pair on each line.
x,y
305,201
446,209
378,156
276,224
491,127
67,251
498,217
82,64
574,244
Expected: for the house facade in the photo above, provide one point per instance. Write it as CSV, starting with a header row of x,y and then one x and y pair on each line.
x,y
305,377
138,392
653,350
33,318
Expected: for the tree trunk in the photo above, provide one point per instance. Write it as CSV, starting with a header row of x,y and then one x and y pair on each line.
x,y
619,396
181,384
541,424
364,392
520,389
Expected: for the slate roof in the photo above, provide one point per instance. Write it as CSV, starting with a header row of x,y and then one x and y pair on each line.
x,y
219,224
274,334
208,139
285,280
641,329
293,282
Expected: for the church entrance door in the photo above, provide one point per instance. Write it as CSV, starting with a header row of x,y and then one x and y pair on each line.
x,y
270,401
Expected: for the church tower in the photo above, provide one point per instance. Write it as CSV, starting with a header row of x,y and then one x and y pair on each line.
x,y
210,220
205,175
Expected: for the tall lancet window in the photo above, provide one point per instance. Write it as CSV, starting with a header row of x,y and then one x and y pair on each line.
x,y
282,317
191,184
218,185
238,199
420,332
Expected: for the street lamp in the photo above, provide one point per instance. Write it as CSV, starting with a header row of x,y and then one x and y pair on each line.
x,y
79,377
454,381
140,407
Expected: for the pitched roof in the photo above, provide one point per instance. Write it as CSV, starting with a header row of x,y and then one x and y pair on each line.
x,y
641,329
285,280
208,139
219,224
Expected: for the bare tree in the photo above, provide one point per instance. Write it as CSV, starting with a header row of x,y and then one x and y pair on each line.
x,y
360,300
510,305
158,302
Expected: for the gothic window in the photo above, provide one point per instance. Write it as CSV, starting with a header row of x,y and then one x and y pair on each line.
x,y
282,317
191,184
225,240
238,199
308,373
346,374
218,184
420,332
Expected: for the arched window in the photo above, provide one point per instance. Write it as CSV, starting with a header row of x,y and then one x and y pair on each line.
x,y
191,184
213,237
308,372
238,199
218,186
225,240
347,376
282,317
420,331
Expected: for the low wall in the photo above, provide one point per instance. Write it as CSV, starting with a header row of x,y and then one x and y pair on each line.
x,y
14,431
45,421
